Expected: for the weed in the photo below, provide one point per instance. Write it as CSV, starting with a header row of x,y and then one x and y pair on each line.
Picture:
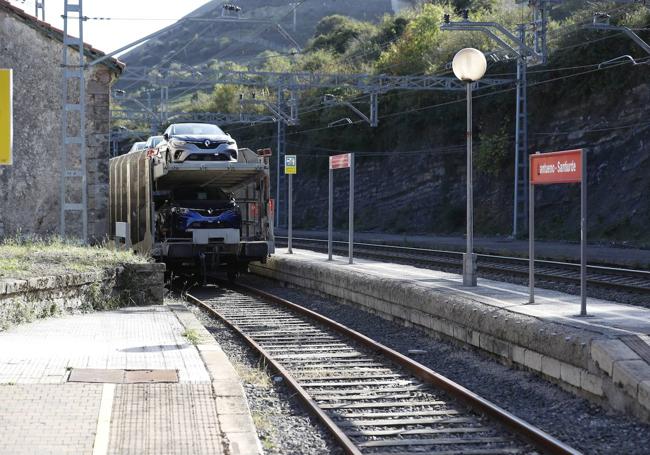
x,y
192,336
26,257
264,429
258,376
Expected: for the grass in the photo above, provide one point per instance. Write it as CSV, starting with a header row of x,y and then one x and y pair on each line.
x,y
264,429
192,336
22,258
258,376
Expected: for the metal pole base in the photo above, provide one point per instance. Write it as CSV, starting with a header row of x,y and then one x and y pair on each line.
x,y
469,269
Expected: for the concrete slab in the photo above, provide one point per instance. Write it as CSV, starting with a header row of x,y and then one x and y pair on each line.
x,y
547,337
41,413
605,317
48,418
129,338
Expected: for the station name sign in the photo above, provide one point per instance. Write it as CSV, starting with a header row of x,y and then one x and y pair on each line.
x,y
556,167
6,116
340,161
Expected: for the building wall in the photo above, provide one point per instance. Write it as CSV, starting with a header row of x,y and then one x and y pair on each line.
x,y
29,189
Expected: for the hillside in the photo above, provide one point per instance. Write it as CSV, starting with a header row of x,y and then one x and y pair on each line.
x,y
198,42
410,175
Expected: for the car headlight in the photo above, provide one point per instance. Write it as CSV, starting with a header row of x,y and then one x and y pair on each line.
x,y
180,210
178,142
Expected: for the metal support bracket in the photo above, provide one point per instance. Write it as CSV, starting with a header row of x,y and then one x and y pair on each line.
x,y
39,7
372,120
601,22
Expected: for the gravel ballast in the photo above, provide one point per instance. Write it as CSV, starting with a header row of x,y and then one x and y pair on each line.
x,y
574,420
283,425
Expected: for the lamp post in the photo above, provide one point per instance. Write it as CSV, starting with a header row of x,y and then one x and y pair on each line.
x,y
469,66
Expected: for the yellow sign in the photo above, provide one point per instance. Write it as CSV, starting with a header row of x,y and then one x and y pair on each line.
x,y
290,164
6,116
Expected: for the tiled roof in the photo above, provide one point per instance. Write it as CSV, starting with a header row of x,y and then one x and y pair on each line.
x,y
50,31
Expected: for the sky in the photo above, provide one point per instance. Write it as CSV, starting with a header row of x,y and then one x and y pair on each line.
x,y
130,19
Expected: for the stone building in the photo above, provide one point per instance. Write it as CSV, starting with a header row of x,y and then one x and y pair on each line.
x,y
29,189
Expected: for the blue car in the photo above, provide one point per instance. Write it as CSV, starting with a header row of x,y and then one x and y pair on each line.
x,y
190,208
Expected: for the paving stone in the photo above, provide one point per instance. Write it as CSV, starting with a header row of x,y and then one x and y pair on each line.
x,y
644,394
629,373
231,405
533,360
165,418
551,367
227,388
518,354
591,383
235,423
245,443
605,352
131,338
570,374
37,417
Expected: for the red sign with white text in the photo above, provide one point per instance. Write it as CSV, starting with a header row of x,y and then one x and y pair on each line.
x,y
340,161
556,167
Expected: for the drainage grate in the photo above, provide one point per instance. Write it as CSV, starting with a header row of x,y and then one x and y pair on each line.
x,y
122,376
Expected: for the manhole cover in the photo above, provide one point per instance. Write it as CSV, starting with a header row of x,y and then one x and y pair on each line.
x,y
122,376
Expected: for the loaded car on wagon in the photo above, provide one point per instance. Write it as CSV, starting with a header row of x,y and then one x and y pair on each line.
x,y
198,215
196,142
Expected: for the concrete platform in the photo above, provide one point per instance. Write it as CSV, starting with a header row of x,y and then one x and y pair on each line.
x,y
203,411
605,356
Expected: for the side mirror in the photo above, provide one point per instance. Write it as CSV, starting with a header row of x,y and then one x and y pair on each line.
x,y
166,136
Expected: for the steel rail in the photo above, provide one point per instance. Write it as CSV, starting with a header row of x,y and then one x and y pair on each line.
x,y
349,447
601,275
540,439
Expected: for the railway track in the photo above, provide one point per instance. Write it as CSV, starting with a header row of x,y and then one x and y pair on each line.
x,y
610,277
372,399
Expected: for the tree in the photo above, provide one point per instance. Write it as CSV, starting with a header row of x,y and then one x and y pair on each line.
x,y
337,33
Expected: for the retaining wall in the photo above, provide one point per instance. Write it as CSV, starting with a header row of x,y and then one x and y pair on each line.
x,y
128,285
596,365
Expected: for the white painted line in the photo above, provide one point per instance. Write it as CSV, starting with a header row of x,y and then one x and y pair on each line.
x,y
100,447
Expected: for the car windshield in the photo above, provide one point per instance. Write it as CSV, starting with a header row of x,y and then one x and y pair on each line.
x,y
154,141
196,128
200,194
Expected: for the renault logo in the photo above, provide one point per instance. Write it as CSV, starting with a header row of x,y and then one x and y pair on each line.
x,y
207,143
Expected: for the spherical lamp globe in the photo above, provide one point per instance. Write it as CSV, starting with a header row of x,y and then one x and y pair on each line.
x,y
469,64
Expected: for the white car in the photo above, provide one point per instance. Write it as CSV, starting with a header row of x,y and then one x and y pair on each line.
x,y
137,147
197,142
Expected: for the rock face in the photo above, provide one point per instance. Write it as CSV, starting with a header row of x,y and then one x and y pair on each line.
x,y
29,189
423,191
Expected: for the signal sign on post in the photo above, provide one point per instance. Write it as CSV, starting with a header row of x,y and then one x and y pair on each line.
x,y
341,162
568,166
290,168
6,116
290,164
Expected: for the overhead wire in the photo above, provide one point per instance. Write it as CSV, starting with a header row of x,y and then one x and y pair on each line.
x,y
457,101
